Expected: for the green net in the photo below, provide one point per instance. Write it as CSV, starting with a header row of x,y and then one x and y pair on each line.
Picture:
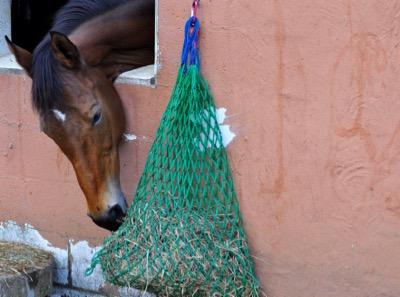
x,y
183,234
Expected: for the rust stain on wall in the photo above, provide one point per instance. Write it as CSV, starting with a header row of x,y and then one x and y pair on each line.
x,y
366,142
280,41
367,55
355,75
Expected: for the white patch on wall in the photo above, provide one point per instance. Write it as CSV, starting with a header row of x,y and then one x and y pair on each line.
x,y
227,134
81,254
129,137
212,138
59,115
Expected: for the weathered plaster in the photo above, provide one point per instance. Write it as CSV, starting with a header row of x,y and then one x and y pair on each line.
x,y
81,256
129,137
211,138
226,132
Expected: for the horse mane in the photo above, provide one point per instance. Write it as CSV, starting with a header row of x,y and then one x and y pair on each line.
x,y
46,77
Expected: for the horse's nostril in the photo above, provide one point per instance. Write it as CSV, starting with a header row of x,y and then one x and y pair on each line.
x,y
112,219
116,212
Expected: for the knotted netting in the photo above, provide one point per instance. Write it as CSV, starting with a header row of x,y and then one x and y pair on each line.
x,y
183,234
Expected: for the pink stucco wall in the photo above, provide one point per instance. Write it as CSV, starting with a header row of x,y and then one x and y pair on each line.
x,y
312,89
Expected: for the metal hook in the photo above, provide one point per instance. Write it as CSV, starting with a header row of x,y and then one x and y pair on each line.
x,y
195,6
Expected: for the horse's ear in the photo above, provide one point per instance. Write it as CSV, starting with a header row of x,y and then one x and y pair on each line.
x,y
64,50
23,57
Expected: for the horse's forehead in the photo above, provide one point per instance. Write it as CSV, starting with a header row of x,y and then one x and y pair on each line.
x,y
79,83
79,93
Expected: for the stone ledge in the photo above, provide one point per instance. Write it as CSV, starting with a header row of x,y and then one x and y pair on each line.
x,y
25,271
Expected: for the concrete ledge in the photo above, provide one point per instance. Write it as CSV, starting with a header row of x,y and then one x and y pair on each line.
x,y
70,265
29,280
106,291
60,291
9,65
144,76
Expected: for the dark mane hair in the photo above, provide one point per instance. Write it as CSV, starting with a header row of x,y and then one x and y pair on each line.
x,y
46,78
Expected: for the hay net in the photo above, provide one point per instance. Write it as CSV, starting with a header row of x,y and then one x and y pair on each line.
x,y
183,234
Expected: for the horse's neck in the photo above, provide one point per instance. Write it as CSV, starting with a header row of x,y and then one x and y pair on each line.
x,y
127,28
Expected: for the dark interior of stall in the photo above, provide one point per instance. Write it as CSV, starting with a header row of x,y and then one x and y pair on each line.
x,y
31,20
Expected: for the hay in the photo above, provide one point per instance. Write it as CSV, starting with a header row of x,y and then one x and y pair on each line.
x,y
18,259
183,234
180,256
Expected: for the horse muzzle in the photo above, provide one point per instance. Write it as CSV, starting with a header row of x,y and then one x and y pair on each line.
x,y
112,219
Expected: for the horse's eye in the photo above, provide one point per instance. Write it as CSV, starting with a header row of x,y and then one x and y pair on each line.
x,y
96,118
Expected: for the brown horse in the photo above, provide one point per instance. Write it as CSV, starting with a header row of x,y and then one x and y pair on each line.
x,y
72,70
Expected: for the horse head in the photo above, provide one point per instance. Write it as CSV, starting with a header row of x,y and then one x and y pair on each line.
x,y
73,69
86,122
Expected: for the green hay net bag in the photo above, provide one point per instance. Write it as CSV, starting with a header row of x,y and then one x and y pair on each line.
x,y
183,234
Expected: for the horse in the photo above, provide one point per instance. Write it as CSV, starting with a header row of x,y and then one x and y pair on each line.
x,y
73,69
